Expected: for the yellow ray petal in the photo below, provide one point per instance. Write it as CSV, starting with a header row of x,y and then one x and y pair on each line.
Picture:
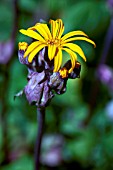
x,y
47,30
60,28
55,29
35,51
73,58
32,34
73,33
31,47
41,30
51,51
76,49
80,38
58,61
54,26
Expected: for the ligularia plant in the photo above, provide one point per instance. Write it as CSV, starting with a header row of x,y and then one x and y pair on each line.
x,y
43,58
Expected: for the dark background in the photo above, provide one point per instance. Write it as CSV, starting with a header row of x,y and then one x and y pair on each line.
x,y
79,124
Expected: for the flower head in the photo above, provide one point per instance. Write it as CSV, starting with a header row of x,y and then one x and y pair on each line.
x,y
43,58
56,43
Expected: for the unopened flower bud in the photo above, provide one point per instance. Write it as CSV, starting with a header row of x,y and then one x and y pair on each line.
x,y
37,90
22,48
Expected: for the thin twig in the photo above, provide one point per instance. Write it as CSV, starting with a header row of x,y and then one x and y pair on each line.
x,y
41,120
107,43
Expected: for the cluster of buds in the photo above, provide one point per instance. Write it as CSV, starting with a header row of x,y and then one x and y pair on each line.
x,y
43,58
43,83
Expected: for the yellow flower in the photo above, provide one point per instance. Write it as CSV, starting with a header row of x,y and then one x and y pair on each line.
x,y
22,45
53,39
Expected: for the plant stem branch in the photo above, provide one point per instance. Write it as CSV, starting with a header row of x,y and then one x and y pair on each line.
x,y
41,120
107,43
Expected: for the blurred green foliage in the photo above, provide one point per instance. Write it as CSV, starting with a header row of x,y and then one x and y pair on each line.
x,y
79,115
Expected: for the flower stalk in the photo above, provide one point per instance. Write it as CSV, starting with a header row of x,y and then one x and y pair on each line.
x,y
41,121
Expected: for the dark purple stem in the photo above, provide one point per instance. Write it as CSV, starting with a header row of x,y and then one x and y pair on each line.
x,y
41,120
107,43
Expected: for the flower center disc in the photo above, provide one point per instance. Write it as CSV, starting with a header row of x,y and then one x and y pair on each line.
x,y
54,42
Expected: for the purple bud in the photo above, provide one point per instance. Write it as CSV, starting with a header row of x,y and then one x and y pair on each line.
x,y
37,90
22,48
47,95
57,83
21,57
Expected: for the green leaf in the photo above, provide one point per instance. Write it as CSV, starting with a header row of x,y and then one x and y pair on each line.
x,y
25,162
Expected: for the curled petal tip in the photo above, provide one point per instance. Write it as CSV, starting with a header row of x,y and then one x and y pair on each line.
x,y
84,59
29,59
93,44
24,56
21,30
